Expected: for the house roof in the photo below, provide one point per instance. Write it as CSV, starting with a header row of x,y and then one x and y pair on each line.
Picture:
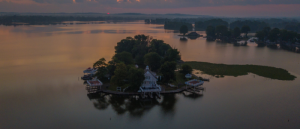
x,y
151,73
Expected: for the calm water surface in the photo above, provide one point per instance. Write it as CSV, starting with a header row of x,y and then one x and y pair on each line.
x,y
40,68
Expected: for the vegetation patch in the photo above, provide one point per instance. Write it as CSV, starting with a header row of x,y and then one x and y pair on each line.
x,y
238,70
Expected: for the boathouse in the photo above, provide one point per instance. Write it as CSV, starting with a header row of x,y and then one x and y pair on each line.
x,y
149,85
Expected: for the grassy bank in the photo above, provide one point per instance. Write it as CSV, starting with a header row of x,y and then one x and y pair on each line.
x,y
238,70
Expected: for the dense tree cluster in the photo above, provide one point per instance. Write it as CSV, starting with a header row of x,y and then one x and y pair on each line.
x,y
276,34
184,29
253,25
223,33
202,25
140,50
174,25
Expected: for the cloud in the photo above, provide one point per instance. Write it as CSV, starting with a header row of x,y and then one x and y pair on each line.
x,y
187,3
164,3
204,7
58,1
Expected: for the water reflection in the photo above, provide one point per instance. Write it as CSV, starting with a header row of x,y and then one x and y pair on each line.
x,y
135,106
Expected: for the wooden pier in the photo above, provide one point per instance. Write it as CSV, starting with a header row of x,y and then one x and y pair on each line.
x,y
94,90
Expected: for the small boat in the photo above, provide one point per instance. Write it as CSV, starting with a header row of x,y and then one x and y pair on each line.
x,y
87,77
90,70
183,39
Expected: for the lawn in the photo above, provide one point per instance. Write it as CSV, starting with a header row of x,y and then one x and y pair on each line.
x,y
238,70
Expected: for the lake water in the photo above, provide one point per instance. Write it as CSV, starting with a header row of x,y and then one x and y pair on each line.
x,y
40,87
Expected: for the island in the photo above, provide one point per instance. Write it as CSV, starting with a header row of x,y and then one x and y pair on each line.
x,y
147,67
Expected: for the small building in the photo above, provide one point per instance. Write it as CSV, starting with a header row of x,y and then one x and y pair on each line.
x,y
94,82
195,84
188,75
149,85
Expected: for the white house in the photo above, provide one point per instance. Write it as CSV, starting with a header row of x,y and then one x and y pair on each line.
x,y
149,85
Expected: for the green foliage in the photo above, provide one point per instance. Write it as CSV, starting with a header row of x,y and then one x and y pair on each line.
x,y
267,30
101,72
260,35
125,45
100,63
120,75
153,60
274,34
186,69
202,25
184,29
136,78
253,25
245,29
176,25
239,70
101,68
168,71
139,60
172,55
221,30
159,47
210,31
111,67
236,32
286,35
142,38
124,57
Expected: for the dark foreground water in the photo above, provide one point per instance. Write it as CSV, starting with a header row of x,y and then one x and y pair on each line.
x,y
40,68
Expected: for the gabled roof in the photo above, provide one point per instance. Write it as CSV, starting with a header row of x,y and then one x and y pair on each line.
x,y
151,73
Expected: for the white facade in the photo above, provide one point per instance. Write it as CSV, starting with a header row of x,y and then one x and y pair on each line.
x,y
149,84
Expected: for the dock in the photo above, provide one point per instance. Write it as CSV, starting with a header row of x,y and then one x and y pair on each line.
x,y
95,90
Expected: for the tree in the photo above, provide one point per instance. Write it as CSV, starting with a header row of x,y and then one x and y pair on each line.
x,y
260,35
186,69
267,30
120,75
221,30
172,55
168,71
236,32
274,35
153,60
184,29
210,31
213,22
124,57
101,68
159,47
139,60
136,78
298,37
100,63
245,29
125,45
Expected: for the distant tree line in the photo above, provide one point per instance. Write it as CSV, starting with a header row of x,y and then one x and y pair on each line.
x,y
202,25
254,24
277,35
46,20
174,25
226,34
156,21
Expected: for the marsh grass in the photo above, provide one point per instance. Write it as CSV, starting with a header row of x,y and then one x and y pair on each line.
x,y
239,70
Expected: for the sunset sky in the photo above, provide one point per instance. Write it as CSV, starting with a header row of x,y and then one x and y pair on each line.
x,y
231,8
